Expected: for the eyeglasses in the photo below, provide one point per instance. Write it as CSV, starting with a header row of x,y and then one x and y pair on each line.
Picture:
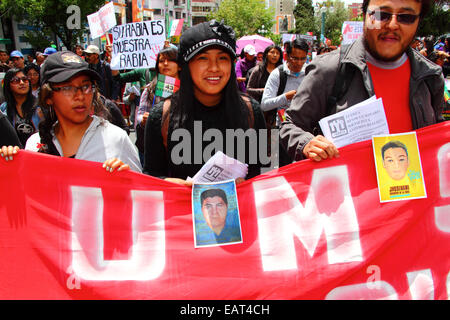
x,y
383,16
296,59
70,91
16,80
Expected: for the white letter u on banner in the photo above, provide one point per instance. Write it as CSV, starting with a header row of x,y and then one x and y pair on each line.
x,y
147,253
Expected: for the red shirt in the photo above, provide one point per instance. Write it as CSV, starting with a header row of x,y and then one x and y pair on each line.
x,y
392,85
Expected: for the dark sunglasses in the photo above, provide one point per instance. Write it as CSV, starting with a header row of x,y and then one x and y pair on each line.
x,y
16,80
383,16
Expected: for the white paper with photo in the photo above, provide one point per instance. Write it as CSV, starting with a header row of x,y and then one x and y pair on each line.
x,y
358,123
220,167
215,214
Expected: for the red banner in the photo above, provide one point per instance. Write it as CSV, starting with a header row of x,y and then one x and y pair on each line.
x,y
70,230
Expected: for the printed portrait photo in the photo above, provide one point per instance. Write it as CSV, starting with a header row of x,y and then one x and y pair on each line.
x,y
399,168
215,215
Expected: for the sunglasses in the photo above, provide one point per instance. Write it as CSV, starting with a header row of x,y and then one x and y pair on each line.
x,y
383,16
70,91
16,80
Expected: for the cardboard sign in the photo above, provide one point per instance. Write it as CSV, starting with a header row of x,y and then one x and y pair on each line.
x,y
136,45
101,21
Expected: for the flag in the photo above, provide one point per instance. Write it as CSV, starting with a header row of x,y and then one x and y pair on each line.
x,y
175,27
166,86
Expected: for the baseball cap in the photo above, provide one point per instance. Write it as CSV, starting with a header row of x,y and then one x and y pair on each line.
x,y
206,34
92,49
250,49
16,54
48,51
63,65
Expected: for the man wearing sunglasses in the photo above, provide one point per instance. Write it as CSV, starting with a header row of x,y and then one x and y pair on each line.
x,y
383,64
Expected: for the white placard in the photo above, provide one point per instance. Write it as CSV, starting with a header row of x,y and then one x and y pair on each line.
x,y
101,21
358,123
351,30
136,45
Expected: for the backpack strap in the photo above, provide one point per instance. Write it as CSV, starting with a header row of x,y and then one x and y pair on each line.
x,y
251,116
344,77
165,121
283,80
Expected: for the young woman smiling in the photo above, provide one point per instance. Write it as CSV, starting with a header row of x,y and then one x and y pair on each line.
x,y
208,96
69,128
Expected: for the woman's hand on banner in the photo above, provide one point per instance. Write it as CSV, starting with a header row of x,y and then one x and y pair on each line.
x,y
112,164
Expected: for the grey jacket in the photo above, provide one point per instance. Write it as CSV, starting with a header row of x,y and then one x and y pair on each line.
x,y
309,104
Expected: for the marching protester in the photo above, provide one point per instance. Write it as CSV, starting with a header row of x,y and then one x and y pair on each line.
x,y
68,128
4,61
243,66
384,65
107,86
32,72
17,59
20,105
166,64
208,96
272,58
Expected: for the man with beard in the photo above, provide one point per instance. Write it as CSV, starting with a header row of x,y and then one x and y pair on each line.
x,y
384,65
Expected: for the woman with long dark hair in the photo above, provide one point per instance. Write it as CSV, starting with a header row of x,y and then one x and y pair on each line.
x,y
208,98
272,58
166,64
20,106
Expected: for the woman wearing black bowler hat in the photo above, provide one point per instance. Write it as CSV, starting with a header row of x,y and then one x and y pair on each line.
x,y
208,95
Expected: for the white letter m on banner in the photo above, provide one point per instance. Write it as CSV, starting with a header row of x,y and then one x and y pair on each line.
x,y
276,229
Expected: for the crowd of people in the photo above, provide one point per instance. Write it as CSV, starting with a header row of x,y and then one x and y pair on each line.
x,y
66,103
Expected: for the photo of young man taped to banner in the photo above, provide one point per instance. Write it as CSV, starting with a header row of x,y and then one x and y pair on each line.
x,y
216,217
399,168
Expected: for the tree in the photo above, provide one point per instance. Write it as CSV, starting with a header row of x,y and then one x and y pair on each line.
x,y
333,20
50,17
244,16
304,17
436,22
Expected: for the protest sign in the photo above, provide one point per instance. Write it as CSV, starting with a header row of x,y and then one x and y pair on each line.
x,y
101,21
136,45
175,27
351,30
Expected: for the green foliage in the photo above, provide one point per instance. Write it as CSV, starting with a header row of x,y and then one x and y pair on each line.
x,y
304,18
244,16
436,23
50,16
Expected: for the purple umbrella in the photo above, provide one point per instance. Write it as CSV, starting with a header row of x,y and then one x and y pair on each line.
x,y
260,43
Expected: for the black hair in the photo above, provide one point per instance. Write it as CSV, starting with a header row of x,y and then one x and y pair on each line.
x,y
210,193
170,52
266,52
426,4
297,43
235,111
393,144
28,107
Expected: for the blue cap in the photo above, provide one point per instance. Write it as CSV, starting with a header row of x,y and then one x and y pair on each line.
x,y
16,54
48,51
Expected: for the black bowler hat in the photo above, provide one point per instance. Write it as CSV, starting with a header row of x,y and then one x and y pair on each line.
x,y
63,65
206,34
